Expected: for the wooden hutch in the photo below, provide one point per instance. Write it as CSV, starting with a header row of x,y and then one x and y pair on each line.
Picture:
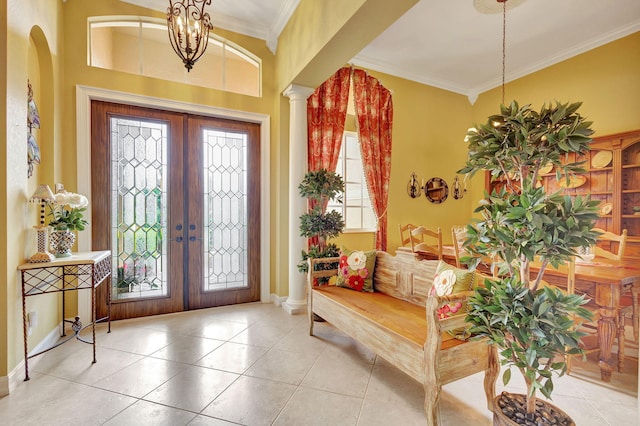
x,y
613,177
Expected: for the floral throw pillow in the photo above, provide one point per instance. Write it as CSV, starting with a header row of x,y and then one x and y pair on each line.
x,y
448,280
356,270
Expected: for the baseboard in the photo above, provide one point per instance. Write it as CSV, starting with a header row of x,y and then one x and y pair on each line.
x,y
278,300
50,340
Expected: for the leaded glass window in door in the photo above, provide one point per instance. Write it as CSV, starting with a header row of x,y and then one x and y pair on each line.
x,y
138,203
225,210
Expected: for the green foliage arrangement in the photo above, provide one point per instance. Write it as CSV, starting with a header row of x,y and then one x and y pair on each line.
x,y
532,326
319,187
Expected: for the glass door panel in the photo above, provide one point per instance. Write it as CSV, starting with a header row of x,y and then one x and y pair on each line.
x,y
139,208
225,210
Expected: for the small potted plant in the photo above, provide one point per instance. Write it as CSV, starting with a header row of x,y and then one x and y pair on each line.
x,y
319,225
532,326
67,213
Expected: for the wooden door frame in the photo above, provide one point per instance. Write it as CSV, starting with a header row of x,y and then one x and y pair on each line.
x,y
84,96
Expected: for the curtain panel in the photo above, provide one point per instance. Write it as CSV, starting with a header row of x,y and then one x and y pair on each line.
x,y
326,115
374,112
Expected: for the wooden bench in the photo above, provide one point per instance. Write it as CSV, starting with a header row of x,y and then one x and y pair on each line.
x,y
399,322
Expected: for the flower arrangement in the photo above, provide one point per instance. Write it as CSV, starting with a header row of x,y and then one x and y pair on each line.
x,y
67,211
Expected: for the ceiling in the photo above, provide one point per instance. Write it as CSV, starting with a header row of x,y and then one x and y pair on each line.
x,y
450,44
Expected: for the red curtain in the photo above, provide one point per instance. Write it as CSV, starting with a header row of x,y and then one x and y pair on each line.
x,y
374,112
326,114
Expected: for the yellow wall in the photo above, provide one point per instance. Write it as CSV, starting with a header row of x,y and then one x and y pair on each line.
x,y
32,42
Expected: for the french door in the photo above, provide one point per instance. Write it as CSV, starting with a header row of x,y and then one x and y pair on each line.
x,y
175,197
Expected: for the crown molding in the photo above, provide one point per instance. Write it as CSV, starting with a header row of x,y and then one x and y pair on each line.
x,y
284,14
372,64
239,26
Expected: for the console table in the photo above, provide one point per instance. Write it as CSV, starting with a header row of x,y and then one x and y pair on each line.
x,y
85,270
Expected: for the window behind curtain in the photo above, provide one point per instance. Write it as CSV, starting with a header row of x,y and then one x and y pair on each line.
x,y
356,207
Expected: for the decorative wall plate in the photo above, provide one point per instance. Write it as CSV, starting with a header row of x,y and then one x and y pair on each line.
x,y
605,209
436,190
601,159
546,169
574,182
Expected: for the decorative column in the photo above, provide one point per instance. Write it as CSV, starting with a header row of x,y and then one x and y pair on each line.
x,y
297,301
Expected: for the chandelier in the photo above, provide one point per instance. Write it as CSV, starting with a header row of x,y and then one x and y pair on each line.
x,y
188,27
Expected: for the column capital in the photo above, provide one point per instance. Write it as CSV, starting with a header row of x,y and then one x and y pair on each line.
x,y
295,92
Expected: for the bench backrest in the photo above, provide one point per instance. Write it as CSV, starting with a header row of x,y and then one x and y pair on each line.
x,y
404,277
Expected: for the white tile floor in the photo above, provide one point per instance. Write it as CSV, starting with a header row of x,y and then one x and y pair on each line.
x,y
254,364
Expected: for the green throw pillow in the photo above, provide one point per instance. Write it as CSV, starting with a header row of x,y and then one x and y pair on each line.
x,y
356,270
448,280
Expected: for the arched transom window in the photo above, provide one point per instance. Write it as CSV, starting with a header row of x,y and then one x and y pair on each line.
x,y
140,45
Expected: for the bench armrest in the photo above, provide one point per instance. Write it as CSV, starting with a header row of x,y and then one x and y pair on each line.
x,y
435,325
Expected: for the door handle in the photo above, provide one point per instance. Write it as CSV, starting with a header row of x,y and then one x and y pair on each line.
x,y
177,239
192,227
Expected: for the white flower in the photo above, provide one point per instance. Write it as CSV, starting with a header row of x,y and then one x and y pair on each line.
x,y
75,201
444,282
357,260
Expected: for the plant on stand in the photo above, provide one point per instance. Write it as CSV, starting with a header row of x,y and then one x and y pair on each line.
x,y
67,213
319,187
532,325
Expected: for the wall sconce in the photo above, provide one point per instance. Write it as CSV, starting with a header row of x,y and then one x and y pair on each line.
x,y
44,196
189,28
459,191
413,187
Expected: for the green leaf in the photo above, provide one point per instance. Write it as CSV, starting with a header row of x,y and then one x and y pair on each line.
x,y
506,376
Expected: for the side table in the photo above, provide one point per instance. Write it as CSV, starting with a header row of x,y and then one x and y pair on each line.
x,y
85,270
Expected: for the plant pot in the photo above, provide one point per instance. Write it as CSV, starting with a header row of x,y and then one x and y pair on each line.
x,y
61,242
510,410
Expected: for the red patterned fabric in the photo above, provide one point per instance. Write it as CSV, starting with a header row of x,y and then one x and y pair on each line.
x,y
326,114
374,112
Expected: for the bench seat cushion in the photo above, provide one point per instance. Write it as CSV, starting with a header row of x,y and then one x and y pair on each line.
x,y
400,317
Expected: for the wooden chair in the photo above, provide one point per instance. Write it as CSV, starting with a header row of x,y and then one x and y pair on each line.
x,y
406,239
422,232
612,239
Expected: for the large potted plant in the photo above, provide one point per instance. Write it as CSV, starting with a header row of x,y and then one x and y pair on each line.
x,y
318,224
531,325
